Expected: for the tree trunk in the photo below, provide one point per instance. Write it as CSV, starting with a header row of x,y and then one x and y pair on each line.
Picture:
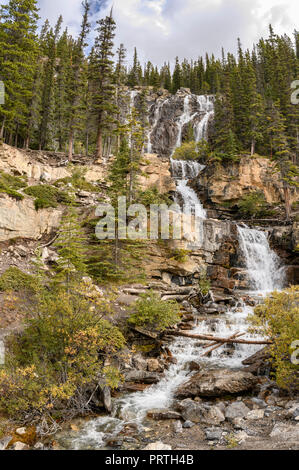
x,y
2,129
287,201
70,152
252,147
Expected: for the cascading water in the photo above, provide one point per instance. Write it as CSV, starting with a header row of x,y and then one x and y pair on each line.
x,y
157,115
207,107
265,273
183,171
264,267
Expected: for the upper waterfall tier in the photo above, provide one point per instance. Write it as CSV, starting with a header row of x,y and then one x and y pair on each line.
x,y
171,116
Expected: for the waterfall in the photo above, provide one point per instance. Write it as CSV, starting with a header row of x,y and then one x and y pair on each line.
x,y
207,107
184,119
183,171
152,129
264,267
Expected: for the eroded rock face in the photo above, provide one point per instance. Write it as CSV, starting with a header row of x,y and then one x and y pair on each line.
x,y
230,183
216,383
19,219
156,173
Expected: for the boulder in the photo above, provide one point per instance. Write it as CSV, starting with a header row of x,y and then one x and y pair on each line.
x,y
157,446
4,442
143,377
236,410
255,415
285,432
158,414
19,219
213,434
216,383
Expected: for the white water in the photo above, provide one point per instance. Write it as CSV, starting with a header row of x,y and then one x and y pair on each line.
x,y
207,107
182,172
157,115
263,265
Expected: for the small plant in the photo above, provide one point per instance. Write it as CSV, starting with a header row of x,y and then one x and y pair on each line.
x,y
151,312
192,151
10,184
78,181
15,280
278,319
180,255
152,196
204,282
47,196
253,205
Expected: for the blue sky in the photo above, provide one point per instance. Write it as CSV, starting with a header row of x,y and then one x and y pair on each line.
x,y
162,29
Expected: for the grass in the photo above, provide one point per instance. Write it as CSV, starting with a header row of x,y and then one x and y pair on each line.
x,y
10,185
47,196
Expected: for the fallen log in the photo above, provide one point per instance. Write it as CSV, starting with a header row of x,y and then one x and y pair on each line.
x,y
218,345
216,339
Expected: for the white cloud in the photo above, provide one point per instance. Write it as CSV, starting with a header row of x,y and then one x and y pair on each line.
x,y
162,29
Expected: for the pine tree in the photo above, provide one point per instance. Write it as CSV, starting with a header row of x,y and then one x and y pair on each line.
x,y
18,58
71,249
177,77
102,78
78,82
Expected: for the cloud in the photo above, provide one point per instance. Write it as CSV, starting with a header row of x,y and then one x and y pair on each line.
x,y
164,29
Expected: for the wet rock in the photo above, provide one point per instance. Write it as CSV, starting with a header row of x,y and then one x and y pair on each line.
x,y
213,434
158,414
258,363
216,383
194,366
285,432
140,376
114,443
157,446
293,413
255,415
236,410
153,365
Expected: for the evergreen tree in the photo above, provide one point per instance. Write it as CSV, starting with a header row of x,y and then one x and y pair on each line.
x,y
102,78
18,58
177,77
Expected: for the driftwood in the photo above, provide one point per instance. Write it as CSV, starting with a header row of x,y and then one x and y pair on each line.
x,y
218,345
216,339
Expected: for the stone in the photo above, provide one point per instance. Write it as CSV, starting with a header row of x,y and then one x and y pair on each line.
x,y
19,219
177,427
39,446
139,362
143,377
293,413
285,432
236,410
153,365
255,415
191,411
188,425
157,446
239,423
241,437
126,300
20,446
214,416
160,414
216,383
213,434
21,431
4,442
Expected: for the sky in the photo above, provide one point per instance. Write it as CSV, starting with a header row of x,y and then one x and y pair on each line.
x,y
164,29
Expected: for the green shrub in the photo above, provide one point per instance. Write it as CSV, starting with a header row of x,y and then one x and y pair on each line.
x,y
180,255
153,313
152,196
78,181
55,363
10,184
253,205
278,319
192,151
15,280
204,283
47,196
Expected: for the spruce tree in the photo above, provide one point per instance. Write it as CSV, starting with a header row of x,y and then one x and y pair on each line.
x,y
102,79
